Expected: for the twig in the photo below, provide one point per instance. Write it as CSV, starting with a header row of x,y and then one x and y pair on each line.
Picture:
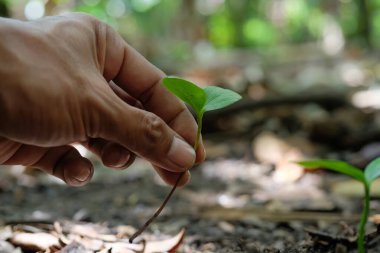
x,y
159,210
329,100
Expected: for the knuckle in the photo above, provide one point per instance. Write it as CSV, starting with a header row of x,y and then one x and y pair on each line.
x,y
84,17
154,131
70,24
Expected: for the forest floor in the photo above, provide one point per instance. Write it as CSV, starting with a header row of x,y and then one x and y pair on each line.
x,y
248,196
239,210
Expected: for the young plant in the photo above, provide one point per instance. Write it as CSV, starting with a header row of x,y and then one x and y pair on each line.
x,y
201,101
371,172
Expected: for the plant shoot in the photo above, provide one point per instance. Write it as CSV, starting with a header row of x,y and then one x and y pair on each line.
x,y
201,100
371,172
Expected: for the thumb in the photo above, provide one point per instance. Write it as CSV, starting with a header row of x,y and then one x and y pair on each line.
x,y
146,135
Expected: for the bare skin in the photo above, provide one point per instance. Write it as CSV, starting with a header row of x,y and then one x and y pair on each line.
x,y
73,79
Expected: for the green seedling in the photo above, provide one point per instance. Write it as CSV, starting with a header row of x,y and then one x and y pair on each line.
x,y
371,172
201,101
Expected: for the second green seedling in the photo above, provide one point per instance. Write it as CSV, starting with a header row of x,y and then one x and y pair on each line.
x,y
371,172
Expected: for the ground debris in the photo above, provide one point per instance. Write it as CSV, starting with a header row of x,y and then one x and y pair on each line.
x,y
342,243
75,237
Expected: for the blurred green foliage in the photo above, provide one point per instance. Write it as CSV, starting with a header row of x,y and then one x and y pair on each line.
x,y
242,23
4,11
233,23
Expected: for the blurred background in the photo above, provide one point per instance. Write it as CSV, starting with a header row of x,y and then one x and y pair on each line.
x,y
247,35
172,32
284,46
309,74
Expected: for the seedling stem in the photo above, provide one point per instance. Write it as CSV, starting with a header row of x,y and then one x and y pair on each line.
x,y
201,100
364,218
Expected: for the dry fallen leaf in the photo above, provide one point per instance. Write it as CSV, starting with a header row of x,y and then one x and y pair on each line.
x,y
34,241
170,245
270,148
375,219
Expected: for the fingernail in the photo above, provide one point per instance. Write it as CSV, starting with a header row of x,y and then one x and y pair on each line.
x,y
115,156
181,153
83,172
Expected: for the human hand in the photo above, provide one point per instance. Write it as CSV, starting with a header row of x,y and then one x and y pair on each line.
x,y
71,78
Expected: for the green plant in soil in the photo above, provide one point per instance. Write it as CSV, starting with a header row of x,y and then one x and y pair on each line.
x,y
366,177
201,100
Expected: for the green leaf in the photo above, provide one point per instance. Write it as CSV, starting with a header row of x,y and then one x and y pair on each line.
x,y
372,171
334,165
187,92
218,98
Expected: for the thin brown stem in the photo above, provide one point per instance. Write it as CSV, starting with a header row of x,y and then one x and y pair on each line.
x,y
159,210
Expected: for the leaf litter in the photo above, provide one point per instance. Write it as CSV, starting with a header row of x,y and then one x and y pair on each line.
x,y
68,236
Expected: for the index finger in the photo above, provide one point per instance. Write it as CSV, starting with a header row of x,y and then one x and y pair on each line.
x,y
138,77
142,80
